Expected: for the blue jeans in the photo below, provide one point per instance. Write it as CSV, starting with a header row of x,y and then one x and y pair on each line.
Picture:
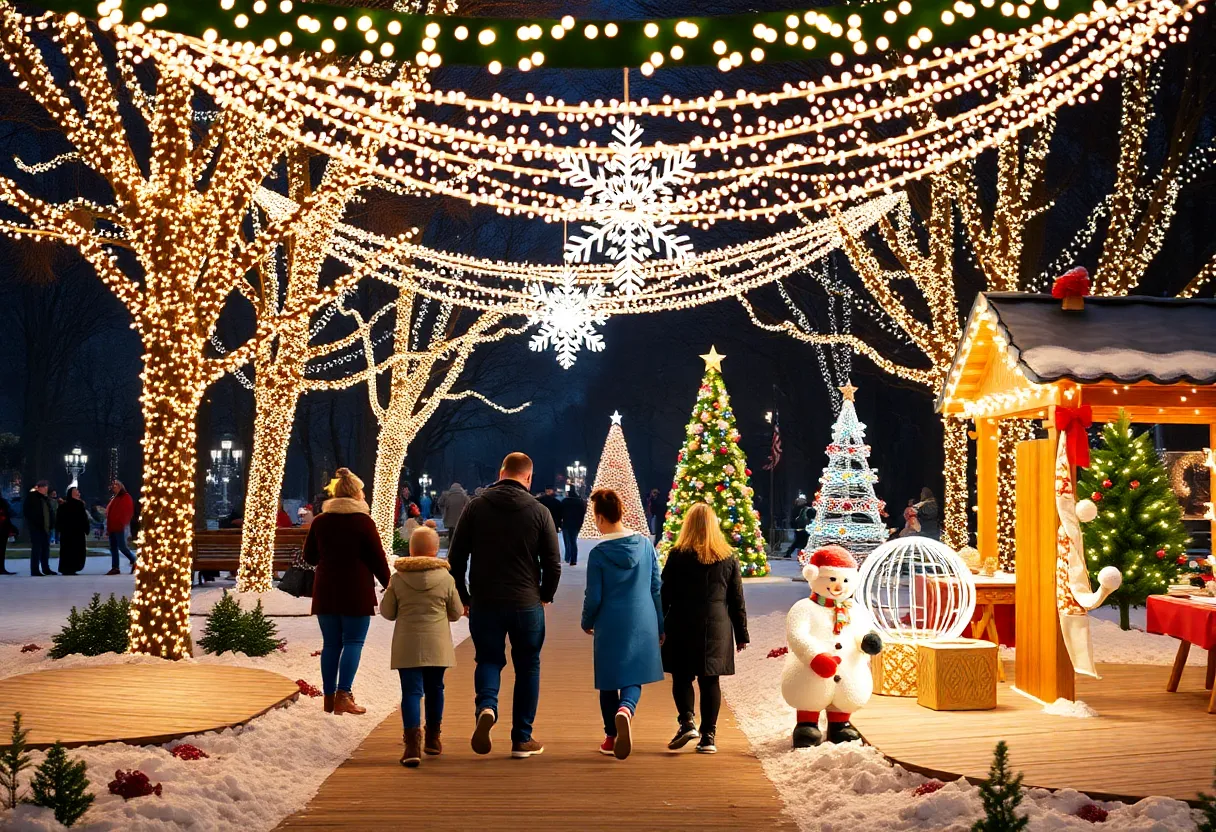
x,y
612,701
40,551
571,538
417,682
342,639
489,629
118,543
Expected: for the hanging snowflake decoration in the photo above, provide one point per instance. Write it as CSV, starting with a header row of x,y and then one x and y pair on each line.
x,y
629,198
567,316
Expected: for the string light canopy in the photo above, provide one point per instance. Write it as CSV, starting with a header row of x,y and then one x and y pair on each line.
x,y
871,126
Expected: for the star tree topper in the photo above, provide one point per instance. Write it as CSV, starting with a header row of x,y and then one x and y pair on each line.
x,y
713,359
848,391
615,417
628,198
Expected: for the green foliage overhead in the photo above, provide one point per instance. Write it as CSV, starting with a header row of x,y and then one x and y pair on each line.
x,y
61,784
1139,524
230,629
102,627
619,43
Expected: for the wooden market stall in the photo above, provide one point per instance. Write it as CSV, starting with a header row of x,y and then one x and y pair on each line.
x,y
1028,356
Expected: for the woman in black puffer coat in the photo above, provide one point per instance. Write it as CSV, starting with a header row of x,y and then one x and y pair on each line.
x,y
705,619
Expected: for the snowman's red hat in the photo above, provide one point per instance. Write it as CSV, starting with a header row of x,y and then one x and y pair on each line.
x,y
830,557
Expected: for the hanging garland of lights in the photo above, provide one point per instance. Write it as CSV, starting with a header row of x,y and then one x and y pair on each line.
x,y
862,131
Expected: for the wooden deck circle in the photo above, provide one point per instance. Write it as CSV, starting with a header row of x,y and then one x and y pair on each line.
x,y
140,704
1144,741
569,787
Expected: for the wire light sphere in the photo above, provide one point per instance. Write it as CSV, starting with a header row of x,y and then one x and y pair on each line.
x,y
916,589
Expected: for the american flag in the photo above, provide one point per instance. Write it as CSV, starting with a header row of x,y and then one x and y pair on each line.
x,y
774,454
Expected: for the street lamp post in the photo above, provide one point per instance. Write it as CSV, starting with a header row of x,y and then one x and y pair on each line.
x,y
424,482
225,465
576,475
75,462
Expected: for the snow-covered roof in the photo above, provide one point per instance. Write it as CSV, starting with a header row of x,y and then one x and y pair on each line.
x,y
1119,339
1016,347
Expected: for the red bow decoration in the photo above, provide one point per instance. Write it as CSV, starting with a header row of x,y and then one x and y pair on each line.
x,y
1073,421
1073,283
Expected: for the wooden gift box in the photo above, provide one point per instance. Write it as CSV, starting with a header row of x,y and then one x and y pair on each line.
x,y
958,675
894,669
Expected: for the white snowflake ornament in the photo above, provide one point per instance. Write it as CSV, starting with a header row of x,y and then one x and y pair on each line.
x,y
567,316
628,199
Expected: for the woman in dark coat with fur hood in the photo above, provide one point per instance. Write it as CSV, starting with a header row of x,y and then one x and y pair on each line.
x,y
705,619
72,522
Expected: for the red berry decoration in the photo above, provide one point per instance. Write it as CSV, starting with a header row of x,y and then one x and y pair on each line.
x,y
307,689
928,787
1092,812
186,751
1107,483
30,648
1160,554
1096,497
1134,484
133,783
778,652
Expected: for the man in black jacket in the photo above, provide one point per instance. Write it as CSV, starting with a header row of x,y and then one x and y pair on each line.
x,y
39,520
573,511
511,542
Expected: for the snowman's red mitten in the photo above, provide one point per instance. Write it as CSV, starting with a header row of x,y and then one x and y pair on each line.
x,y
825,665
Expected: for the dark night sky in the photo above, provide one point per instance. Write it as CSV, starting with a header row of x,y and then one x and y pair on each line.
x,y
650,369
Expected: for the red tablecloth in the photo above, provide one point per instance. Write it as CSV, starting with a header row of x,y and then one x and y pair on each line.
x,y
1182,618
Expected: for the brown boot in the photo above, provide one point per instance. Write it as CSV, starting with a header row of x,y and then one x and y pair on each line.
x,y
344,703
433,745
328,703
413,748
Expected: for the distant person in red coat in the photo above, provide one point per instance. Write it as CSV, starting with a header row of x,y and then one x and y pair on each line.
x,y
118,516
283,519
345,547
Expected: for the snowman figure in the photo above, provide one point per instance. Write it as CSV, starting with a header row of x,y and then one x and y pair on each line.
x,y
830,643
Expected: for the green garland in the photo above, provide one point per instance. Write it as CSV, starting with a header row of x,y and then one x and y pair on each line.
x,y
633,43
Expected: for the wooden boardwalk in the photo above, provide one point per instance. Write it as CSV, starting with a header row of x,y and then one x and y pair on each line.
x,y
1144,741
571,786
141,704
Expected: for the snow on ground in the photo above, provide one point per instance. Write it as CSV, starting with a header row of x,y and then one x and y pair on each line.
x,y
841,788
1067,707
257,774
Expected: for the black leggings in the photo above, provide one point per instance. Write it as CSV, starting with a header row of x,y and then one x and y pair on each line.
x,y
711,700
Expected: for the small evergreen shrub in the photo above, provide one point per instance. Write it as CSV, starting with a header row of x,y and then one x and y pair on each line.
x,y
100,628
60,784
232,630
1001,796
14,759
401,546
1207,810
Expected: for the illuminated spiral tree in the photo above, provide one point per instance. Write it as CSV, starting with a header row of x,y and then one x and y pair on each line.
x,y
615,471
711,468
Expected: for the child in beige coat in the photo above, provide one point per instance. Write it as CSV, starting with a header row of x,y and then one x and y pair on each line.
x,y
422,599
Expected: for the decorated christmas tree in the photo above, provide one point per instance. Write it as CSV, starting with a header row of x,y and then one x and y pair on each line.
x,y
615,471
712,468
1139,524
846,511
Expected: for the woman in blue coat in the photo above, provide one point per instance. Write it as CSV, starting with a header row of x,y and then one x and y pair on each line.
x,y
622,609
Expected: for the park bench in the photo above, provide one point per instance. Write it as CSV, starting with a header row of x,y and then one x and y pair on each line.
x,y
219,550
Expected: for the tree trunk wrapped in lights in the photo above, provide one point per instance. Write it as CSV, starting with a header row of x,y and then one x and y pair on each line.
x,y
171,245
